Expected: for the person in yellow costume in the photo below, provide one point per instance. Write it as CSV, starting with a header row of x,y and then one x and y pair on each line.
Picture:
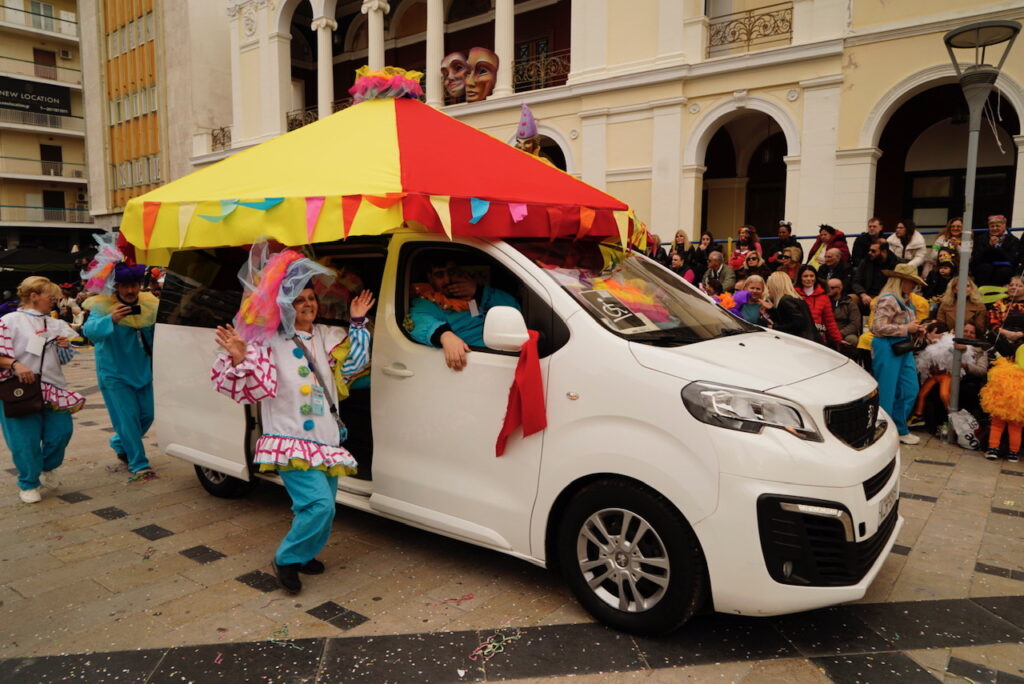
x,y
1001,400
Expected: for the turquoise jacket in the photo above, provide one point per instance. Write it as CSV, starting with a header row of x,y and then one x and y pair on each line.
x,y
121,351
427,317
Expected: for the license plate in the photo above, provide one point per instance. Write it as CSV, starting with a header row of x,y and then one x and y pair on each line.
x,y
885,506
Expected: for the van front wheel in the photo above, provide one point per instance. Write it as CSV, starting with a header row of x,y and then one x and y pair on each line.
x,y
631,558
224,486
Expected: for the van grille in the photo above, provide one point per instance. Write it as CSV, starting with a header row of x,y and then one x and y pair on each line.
x,y
874,484
854,422
813,549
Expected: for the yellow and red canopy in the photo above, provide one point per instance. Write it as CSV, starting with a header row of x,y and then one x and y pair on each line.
x,y
364,171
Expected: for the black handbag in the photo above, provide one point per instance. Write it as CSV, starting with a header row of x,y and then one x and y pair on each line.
x,y
23,398
903,347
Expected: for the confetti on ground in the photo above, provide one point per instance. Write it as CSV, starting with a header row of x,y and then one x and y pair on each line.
x,y
219,659
457,601
148,554
495,644
277,637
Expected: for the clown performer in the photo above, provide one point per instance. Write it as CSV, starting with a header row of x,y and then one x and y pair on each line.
x,y
33,344
527,137
120,325
1000,398
275,354
453,76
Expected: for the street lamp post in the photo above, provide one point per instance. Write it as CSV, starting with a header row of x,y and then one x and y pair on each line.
x,y
977,80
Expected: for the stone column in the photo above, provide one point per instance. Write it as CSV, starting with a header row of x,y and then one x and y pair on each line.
x,y
792,205
818,143
375,11
1017,217
695,31
691,193
667,155
588,39
435,52
594,148
854,199
505,45
324,27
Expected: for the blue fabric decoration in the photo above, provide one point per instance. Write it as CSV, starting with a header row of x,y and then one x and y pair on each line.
x,y
480,208
268,203
226,207
307,425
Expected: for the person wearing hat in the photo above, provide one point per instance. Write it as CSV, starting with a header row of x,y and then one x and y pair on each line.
x,y
278,356
120,325
996,256
894,322
527,136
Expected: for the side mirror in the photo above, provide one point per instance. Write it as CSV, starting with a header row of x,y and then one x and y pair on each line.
x,y
505,329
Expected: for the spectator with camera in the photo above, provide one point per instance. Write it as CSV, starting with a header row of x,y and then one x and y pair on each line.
x,y
120,324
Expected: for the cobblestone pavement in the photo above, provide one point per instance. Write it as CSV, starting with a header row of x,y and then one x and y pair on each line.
x,y
158,581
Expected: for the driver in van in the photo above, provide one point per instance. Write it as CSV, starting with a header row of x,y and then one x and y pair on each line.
x,y
449,310
277,356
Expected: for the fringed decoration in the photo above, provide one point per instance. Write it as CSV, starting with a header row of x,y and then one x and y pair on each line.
x,y
391,82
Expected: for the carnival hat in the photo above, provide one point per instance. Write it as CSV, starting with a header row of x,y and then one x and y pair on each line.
x,y
527,124
904,272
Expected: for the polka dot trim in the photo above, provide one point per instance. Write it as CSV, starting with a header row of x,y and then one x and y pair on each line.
x,y
305,389
306,410
297,353
308,425
303,371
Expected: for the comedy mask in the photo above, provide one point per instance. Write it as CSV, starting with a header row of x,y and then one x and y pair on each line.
x,y
453,73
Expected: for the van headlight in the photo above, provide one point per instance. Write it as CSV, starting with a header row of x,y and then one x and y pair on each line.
x,y
747,411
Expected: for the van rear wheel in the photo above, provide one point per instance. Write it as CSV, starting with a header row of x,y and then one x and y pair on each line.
x,y
224,486
631,558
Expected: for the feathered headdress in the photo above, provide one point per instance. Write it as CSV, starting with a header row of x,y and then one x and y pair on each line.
x,y
271,283
391,82
108,267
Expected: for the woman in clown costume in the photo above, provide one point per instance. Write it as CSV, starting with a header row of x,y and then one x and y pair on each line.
x,y
276,355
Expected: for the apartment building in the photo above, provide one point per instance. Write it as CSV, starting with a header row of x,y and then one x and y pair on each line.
x,y
43,174
157,74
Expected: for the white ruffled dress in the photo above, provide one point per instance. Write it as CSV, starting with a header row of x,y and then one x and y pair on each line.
x,y
277,374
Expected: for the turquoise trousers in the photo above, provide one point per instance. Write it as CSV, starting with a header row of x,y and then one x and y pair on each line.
x,y
312,493
897,381
131,414
37,443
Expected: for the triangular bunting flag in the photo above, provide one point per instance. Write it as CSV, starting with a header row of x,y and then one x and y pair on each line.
x,y
226,207
622,222
264,205
479,208
349,208
185,211
149,212
587,216
387,201
442,205
313,207
517,211
554,221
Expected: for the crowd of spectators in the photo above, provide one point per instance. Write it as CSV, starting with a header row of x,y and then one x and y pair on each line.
x,y
832,297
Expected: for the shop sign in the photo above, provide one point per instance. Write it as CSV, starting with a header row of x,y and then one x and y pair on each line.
x,y
29,96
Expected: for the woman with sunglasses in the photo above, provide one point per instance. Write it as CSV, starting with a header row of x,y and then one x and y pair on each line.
x,y
753,264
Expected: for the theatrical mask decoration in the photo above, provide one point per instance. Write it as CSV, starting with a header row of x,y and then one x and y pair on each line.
x,y
469,79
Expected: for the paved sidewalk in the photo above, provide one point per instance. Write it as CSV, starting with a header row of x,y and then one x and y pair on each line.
x,y
167,583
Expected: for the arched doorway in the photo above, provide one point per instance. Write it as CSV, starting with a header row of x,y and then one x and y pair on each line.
x,y
921,173
745,180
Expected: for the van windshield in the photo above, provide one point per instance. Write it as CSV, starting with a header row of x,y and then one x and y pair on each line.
x,y
632,295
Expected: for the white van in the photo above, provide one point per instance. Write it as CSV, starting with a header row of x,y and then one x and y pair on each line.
x,y
690,460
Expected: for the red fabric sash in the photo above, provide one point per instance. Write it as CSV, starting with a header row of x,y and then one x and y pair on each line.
x,y
525,396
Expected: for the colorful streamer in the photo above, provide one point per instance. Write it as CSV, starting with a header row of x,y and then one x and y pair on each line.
x,y
442,205
185,211
262,205
149,213
226,207
349,208
517,211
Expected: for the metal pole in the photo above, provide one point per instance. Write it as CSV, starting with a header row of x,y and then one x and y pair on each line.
x,y
976,93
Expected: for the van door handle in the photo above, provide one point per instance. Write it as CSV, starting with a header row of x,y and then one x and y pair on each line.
x,y
398,370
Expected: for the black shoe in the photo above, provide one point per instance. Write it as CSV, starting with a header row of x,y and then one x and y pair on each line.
x,y
992,454
313,567
123,458
1012,457
288,576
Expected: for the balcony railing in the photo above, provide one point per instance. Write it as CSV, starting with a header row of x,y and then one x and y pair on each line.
x,y
68,123
300,117
25,67
541,71
37,20
11,212
755,29
220,139
42,167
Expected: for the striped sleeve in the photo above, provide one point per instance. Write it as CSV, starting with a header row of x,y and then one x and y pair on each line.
x,y
251,381
359,353
6,343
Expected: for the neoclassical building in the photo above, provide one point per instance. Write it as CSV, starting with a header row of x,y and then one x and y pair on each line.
x,y
699,114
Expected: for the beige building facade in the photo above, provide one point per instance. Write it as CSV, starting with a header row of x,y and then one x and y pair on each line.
x,y
43,175
701,115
